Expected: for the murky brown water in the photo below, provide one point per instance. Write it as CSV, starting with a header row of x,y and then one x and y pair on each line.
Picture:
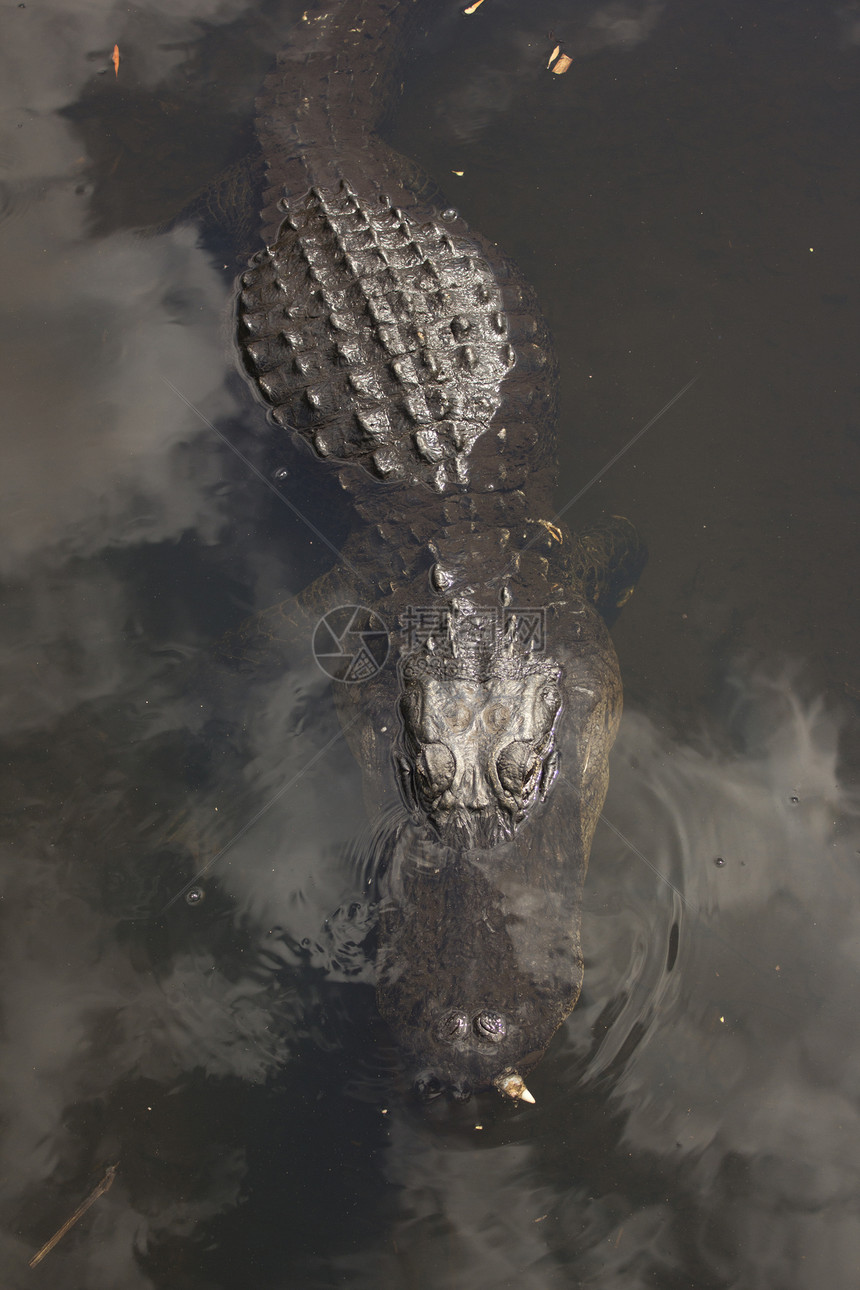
x,y
183,992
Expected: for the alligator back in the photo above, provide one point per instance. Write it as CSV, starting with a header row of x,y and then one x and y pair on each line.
x,y
377,326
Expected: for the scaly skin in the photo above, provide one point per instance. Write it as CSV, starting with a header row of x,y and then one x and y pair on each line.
x,y
408,352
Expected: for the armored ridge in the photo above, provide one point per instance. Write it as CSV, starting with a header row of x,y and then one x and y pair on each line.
x,y
379,328
321,104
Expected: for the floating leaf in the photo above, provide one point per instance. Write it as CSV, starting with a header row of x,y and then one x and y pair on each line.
x,y
458,172
473,7
553,530
115,60
553,56
562,65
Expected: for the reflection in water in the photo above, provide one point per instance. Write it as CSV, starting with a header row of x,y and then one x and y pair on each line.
x,y
696,1119
688,1117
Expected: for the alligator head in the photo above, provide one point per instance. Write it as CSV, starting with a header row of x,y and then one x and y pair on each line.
x,y
479,726
478,950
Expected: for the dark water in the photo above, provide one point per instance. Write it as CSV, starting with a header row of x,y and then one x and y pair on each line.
x,y
183,989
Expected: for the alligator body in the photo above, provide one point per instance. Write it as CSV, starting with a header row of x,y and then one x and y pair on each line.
x,y
409,353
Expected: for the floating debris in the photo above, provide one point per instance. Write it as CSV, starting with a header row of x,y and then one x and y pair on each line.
x,y
553,530
473,7
98,1190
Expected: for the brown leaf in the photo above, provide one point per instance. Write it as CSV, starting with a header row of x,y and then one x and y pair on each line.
x,y
473,7
115,60
562,65
553,56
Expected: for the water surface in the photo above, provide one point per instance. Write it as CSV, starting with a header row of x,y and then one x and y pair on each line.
x,y
184,992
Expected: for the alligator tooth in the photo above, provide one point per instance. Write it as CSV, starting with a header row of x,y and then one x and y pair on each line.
x,y
512,1086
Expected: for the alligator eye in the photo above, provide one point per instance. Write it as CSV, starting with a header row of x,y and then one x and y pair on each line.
x,y
516,764
436,769
491,1025
497,717
459,717
452,1026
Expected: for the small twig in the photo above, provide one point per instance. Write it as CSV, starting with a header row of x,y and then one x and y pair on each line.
x,y
98,1190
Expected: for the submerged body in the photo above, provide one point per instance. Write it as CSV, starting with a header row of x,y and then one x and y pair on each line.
x,y
408,352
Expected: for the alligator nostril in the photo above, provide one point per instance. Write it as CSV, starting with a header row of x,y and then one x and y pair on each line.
x,y
428,1087
491,1025
452,1026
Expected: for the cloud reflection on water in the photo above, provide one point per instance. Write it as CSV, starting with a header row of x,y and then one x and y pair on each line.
x,y
724,1142
722,1146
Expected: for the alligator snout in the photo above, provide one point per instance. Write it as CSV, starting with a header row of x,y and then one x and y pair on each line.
x,y
465,1049
429,1086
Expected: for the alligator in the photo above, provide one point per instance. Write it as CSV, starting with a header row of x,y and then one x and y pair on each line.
x,y
410,354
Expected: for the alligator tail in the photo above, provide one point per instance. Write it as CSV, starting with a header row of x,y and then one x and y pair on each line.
x,y
326,95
